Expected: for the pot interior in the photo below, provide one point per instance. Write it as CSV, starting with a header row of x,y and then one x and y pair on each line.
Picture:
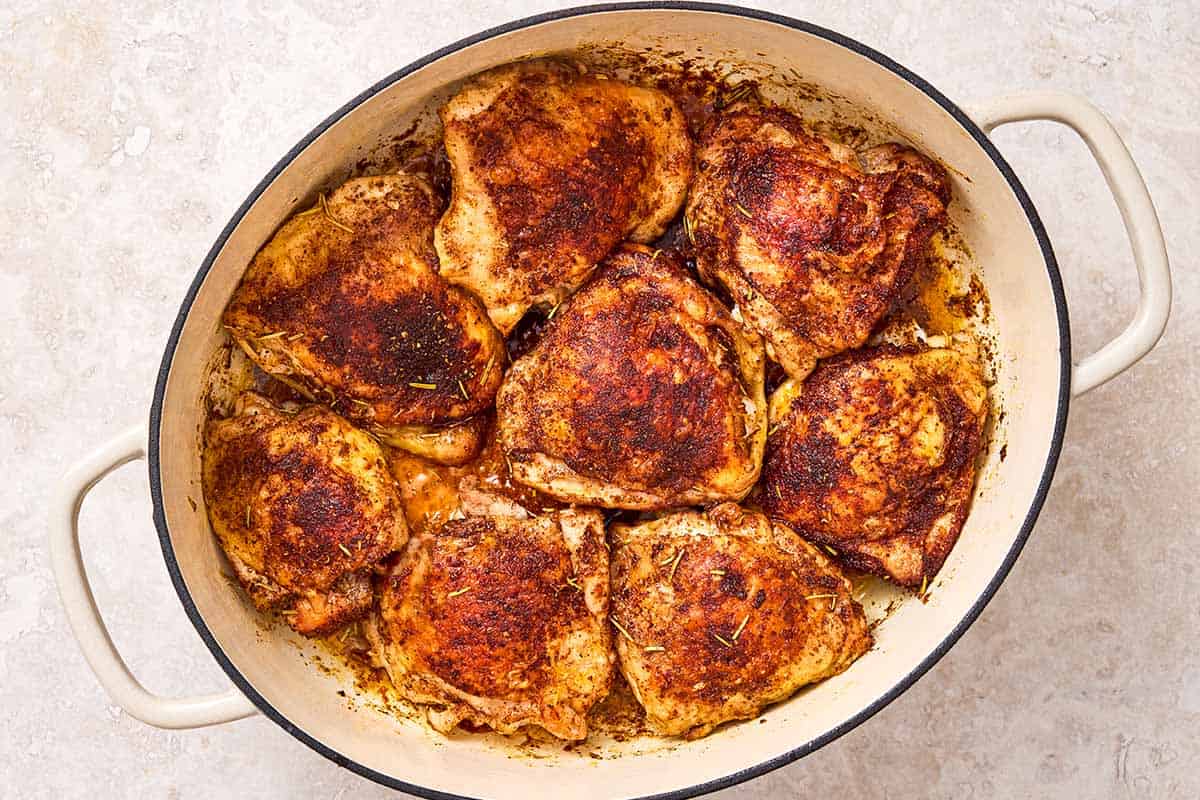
x,y
1000,247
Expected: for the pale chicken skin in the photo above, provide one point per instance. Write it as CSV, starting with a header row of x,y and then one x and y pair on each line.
x,y
643,393
345,305
500,622
305,507
813,242
875,457
551,169
719,614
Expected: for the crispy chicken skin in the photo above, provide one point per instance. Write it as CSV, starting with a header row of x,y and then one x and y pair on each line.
x,y
724,612
875,456
813,243
304,506
643,393
345,305
551,169
501,621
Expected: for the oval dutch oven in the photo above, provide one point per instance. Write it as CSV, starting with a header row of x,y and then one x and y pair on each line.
x,y
1036,379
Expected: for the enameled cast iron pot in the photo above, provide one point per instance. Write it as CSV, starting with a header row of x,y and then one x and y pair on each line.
x,y
1036,381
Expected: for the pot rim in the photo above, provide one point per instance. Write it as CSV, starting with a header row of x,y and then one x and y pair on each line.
x,y
753,771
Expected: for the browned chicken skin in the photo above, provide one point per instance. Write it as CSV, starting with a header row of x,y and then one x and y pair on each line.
x,y
501,622
642,393
721,613
551,170
345,305
875,456
304,506
813,243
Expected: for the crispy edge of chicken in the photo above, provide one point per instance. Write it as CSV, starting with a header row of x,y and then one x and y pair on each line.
x,y
643,393
550,170
813,242
722,613
344,304
875,455
500,621
304,506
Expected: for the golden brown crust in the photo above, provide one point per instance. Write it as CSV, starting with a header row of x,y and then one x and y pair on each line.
x,y
345,305
304,505
813,245
551,170
876,456
723,613
501,622
643,393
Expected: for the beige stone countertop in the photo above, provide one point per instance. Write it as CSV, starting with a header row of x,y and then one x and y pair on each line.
x,y
132,130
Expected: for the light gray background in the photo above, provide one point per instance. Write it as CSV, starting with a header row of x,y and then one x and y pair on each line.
x,y
131,131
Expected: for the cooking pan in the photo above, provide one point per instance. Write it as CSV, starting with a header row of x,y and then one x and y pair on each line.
x,y
1035,380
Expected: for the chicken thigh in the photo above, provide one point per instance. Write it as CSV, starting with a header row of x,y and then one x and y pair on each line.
x,y
345,305
643,393
813,243
501,621
551,169
304,506
721,613
875,456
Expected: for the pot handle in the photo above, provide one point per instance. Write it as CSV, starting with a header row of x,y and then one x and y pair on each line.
x,y
1137,212
84,617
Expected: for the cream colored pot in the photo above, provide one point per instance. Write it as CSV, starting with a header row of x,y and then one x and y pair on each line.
x,y
1035,380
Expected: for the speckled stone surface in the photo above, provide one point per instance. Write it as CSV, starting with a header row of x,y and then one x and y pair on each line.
x,y
131,132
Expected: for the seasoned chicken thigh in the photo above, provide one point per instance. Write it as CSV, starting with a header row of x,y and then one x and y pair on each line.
x,y
501,621
552,169
345,305
304,506
642,393
720,614
813,249
875,456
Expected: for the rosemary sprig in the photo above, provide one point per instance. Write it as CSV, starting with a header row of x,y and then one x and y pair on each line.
x,y
675,565
332,219
621,629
